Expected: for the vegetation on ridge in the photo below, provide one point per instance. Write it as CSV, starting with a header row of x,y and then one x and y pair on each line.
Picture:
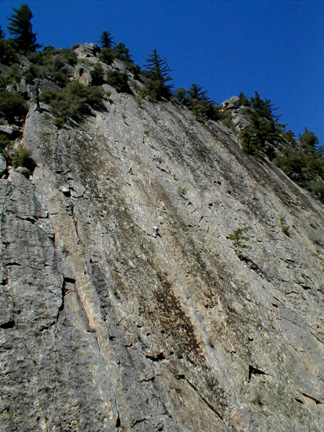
x,y
51,76
198,102
301,159
263,131
73,101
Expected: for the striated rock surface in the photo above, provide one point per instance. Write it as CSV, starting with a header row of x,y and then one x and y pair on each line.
x,y
105,325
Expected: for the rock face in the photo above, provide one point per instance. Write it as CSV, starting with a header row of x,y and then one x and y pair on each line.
x,y
106,324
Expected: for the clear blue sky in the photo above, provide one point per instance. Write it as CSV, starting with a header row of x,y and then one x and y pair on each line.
x,y
227,46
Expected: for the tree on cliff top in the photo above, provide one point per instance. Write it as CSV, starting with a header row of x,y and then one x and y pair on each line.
x,y
20,26
106,39
158,70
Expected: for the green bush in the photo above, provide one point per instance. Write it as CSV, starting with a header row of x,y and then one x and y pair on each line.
x,y
198,102
65,56
60,122
59,67
316,188
22,158
239,238
227,120
250,143
60,77
10,77
3,81
14,75
153,90
205,110
119,81
7,52
73,101
308,142
12,105
122,52
180,94
32,72
134,69
52,63
36,57
107,55
261,135
4,142
97,75
305,166
93,96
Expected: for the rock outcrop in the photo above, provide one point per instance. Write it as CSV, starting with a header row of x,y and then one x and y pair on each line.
x,y
105,325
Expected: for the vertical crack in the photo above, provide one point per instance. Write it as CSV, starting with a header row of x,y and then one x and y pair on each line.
x,y
75,223
118,420
65,290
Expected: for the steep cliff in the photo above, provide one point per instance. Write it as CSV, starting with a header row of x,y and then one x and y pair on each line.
x,y
213,322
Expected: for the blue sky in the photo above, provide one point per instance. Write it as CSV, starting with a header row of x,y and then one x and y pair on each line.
x,y
227,46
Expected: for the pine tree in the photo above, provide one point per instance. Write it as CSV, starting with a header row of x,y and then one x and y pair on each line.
x,y
158,67
106,39
200,104
122,52
264,108
181,95
158,70
2,35
196,93
308,141
244,100
20,26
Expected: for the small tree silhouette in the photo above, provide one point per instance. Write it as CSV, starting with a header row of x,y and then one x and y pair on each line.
x,y
158,70
238,238
106,39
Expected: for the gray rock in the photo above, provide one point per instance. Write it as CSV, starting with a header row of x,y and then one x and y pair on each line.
x,y
105,326
24,62
9,130
87,51
48,85
66,190
23,170
82,74
232,102
240,121
77,189
3,165
22,86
